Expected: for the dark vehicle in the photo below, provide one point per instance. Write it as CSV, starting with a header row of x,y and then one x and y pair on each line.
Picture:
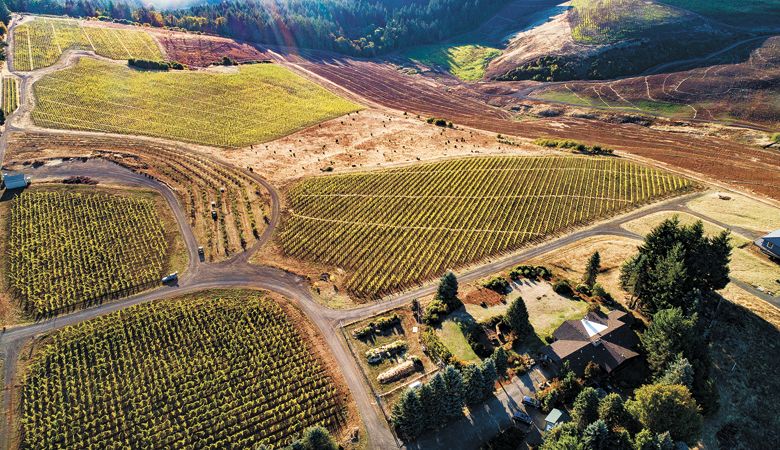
x,y
521,417
530,401
170,278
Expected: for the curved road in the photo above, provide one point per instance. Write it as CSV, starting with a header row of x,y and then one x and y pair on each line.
x,y
238,273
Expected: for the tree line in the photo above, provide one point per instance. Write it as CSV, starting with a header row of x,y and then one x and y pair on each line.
x,y
356,27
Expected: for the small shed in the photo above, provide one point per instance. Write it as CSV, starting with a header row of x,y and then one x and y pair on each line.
x,y
553,419
770,244
15,180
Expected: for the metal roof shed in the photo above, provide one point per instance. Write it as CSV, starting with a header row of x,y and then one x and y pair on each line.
x,y
15,180
552,419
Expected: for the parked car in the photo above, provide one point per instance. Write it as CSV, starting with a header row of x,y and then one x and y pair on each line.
x,y
521,417
530,401
170,278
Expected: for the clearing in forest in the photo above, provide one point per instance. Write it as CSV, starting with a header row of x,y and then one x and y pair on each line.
x,y
395,228
217,369
467,62
255,103
68,248
40,42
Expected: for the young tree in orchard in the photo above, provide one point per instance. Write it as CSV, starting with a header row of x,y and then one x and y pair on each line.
x,y
679,371
592,269
448,291
407,415
586,408
612,410
670,333
661,408
516,318
454,401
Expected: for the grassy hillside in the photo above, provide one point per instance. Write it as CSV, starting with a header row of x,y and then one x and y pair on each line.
x,y
609,21
466,62
395,228
253,104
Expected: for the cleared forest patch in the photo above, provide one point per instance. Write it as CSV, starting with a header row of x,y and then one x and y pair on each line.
x,y
396,228
40,42
201,51
214,369
255,103
467,62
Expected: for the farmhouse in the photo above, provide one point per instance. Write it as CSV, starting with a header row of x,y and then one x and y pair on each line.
x,y
605,339
770,244
14,180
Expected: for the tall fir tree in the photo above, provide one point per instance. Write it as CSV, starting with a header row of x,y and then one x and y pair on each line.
x,y
438,409
592,269
501,359
516,318
474,384
489,377
596,436
455,392
448,291
407,415
586,408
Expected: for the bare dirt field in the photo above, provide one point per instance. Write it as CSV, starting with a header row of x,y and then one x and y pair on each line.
x,y
200,51
748,167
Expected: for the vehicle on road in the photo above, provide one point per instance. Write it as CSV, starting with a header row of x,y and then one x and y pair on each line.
x,y
172,278
530,401
521,417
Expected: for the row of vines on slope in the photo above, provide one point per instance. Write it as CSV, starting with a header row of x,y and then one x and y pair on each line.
x,y
395,228
201,184
10,95
215,370
67,248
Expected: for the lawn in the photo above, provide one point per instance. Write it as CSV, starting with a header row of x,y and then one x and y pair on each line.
x,y
216,369
73,247
40,42
453,338
238,107
645,224
467,62
740,211
391,229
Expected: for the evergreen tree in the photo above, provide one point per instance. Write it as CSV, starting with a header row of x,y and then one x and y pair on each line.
x,y
679,371
671,333
428,406
619,439
596,436
474,384
455,392
489,377
501,359
448,291
318,438
438,409
592,269
407,416
516,318
586,408
565,436
612,411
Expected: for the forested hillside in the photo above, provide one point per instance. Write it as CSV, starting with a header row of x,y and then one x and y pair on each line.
x,y
360,27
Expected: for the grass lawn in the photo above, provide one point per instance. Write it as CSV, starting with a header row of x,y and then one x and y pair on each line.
x,y
451,335
467,62
740,211
236,107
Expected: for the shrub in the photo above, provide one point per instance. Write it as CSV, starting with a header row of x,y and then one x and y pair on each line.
x,y
498,284
435,348
147,64
435,312
563,287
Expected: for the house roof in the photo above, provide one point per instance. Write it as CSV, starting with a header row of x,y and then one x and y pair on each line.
x,y
554,416
605,339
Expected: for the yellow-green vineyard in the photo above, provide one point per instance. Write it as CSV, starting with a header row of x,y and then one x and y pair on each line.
x,y
255,103
394,228
67,249
10,95
223,369
40,42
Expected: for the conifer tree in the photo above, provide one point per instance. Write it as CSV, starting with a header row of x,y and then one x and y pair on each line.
x,y
592,269
455,392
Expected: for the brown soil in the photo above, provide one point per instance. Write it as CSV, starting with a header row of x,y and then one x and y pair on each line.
x,y
748,167
481,295
201,51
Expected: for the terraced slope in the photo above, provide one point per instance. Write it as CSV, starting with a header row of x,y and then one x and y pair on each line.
x,y
40,42
222,369
255,103
394,228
